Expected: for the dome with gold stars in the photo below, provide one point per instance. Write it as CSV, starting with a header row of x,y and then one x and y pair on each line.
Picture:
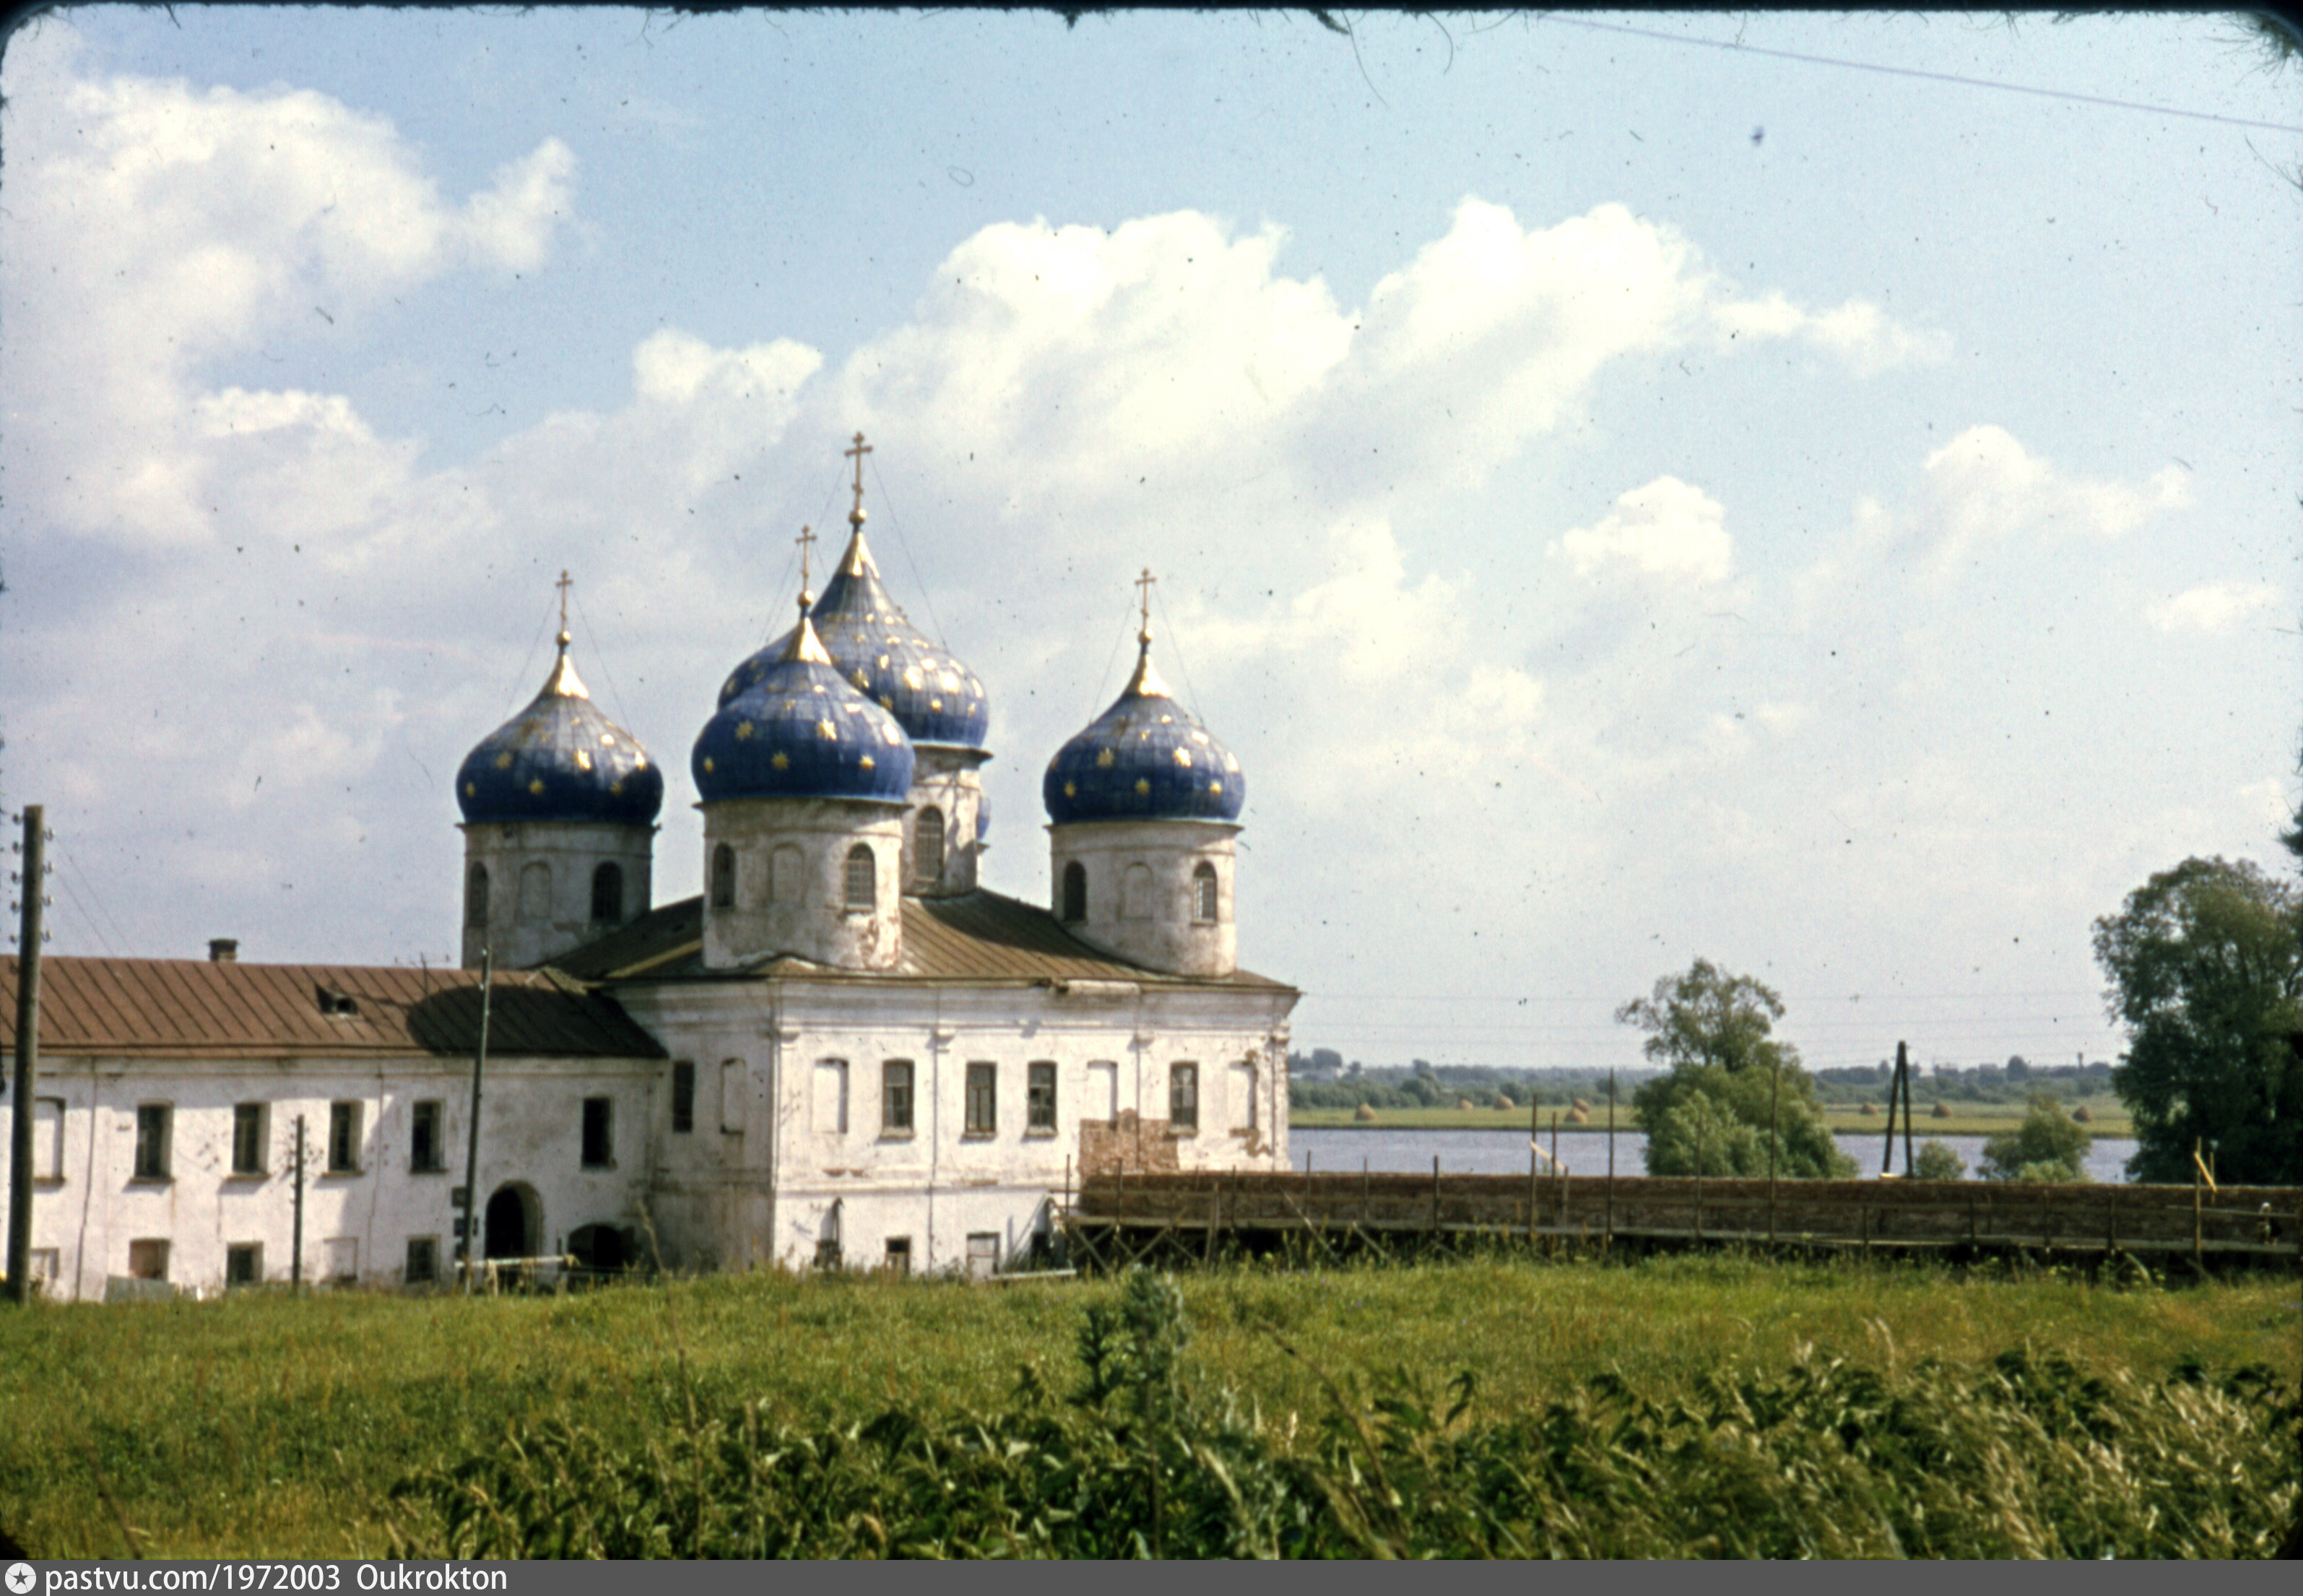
x,y
800,730
559,759
882,655
1147,757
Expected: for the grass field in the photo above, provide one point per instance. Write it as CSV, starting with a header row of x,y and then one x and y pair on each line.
x,y
263,1425
1967,1119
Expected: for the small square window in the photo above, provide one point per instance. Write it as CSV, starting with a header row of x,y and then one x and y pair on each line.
x,y
899,1255
247,1125
427,1152
599,1133
344,1138
895,1097
1184,1097
1040,1098
243,1263
148,1260
983,1099
153,1125
683,1096
423,1265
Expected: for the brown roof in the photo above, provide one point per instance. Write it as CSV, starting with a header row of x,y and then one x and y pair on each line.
x,y
184,1008
979,936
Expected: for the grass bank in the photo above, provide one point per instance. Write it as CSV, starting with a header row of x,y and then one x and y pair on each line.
x,y
1966,1120
261,1425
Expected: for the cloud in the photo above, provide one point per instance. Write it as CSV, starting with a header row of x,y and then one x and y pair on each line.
x,y
155,227
2213,607
1858,332
1984,487
1666,529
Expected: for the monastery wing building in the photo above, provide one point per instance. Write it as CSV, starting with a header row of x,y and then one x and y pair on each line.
x,y
843,1053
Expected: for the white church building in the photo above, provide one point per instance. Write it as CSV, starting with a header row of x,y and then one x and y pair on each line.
x,y
844,1053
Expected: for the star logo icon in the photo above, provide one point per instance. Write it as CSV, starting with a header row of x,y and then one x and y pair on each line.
x,y
21,1579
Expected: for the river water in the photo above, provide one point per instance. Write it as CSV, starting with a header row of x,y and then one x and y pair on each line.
x,y
1394,1152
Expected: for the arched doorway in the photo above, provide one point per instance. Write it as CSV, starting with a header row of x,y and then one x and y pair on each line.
x,y
514,1225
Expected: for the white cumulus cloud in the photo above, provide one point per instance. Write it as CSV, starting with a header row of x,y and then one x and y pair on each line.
x,y
1666,529
2213,607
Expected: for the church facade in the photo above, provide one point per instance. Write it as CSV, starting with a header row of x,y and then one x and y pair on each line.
x,y
844,1053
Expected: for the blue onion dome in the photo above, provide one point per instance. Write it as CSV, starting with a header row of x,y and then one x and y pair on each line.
x,y
800,730
883,656
1147,757
559,759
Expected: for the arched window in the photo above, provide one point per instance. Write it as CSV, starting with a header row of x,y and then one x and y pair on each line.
x,y
723,877
927,863
1203,893
476,897
608,895
786,868
863,879
1074,893
535,890
1136,892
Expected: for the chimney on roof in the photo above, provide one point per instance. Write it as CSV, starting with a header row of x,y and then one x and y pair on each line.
x,y
223,950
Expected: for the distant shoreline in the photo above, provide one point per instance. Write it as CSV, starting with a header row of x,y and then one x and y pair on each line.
x,y
1981,1120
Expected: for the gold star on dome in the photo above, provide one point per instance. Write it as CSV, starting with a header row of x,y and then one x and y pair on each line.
x,y
1103,759
535,788
503,761
1142,787
827,732
782,761
1183,758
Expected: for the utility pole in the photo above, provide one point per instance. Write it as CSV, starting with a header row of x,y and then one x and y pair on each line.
x,y
32,878
295,1236
472,1133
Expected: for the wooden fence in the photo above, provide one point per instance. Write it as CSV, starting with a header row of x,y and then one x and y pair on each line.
x,y
1115,1220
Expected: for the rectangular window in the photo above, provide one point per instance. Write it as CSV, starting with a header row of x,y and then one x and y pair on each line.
x,y
243,1263
423,1265
827,1253
1184,1097
731,1096
599,1133
427,1151
896,1098
341,1254
683,1096
831,1105
982,1254
148,1260
982,1099
344,1138
152,1126
899,1255
48,1138
248,1139
1040,1098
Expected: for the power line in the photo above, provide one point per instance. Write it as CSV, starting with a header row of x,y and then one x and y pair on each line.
x,y
1912,71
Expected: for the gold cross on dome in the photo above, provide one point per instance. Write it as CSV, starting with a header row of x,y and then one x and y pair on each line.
x,y
856,453
806,541
1143,600
563,584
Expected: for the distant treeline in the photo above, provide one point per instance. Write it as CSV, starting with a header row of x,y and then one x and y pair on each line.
x,y
1426,1085
1323,1079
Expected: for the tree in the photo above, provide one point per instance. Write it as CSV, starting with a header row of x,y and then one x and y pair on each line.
x,y
1937,1161
1729,1080
2048,1145
2207,973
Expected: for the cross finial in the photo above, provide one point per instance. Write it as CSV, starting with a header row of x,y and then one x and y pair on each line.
x,y
806,541
856,453
563,584
1143,601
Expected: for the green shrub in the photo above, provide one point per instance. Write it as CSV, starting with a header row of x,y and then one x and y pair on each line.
x,y
2048,1145
1937,1161
2027,1457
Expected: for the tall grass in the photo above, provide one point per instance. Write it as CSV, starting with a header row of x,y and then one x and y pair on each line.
x,y
265,1425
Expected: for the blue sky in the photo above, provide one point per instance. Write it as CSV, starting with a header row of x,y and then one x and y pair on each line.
x,y
1622,499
